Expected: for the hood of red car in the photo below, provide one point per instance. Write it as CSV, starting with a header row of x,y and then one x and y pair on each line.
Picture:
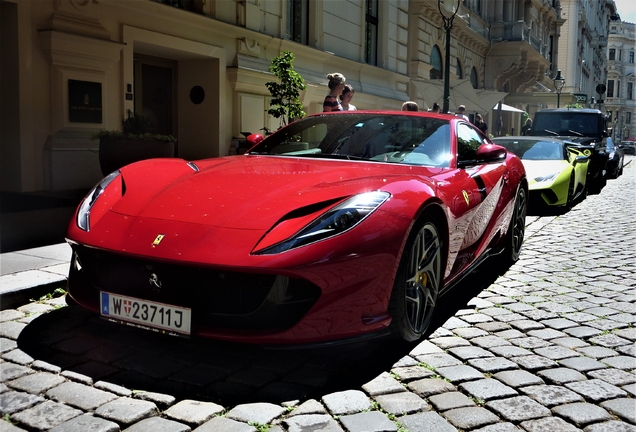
x,y
246,192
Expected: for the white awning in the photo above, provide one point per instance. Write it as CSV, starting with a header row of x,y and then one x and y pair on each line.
x,y
505,107
489,98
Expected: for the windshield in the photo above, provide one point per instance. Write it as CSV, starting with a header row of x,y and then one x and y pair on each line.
x,y
533,149
386,138
569,123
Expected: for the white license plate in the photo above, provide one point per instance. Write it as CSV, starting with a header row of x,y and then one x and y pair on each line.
x,y
152,314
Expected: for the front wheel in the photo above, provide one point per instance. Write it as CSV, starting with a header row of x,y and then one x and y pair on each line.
x,y
418,282
516,231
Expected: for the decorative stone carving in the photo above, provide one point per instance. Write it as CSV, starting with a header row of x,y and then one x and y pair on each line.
x,y
79,17
249,47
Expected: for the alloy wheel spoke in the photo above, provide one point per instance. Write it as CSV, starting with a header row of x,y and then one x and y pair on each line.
x,y
422,286
520,220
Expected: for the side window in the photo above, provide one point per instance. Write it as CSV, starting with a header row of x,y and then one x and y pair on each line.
x,y
468,142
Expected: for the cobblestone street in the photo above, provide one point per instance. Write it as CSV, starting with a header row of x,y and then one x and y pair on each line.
x,y
549,346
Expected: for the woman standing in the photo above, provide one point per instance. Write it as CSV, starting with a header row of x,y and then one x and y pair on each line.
x,y
336,86
526,127
481,124
345,98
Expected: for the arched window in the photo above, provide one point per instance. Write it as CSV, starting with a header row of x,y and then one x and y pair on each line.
x,y
436,63
459,71
473,78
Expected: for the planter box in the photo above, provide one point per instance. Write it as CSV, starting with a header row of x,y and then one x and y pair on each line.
x,y
116,153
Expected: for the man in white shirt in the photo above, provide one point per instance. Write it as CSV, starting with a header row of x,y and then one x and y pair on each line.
x,y
461,112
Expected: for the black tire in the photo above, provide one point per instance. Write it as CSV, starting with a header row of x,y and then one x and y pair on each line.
x,y
516,232
418,281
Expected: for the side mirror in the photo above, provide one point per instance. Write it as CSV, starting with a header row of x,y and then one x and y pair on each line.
x,y
489,153
581,159
486,153
253,139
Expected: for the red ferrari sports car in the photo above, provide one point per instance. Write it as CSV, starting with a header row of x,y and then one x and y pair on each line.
x,y
337,226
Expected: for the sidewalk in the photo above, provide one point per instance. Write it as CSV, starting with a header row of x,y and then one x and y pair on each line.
x,y
34,257
31,273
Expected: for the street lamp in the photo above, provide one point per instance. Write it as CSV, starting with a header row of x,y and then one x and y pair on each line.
x,y
559,82
449,8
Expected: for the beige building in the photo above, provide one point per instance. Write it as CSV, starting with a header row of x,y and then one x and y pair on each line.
x,y
198,68
583,44
620,97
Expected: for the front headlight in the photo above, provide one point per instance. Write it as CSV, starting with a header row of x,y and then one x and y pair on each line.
x,y
546,177
336,220
84,212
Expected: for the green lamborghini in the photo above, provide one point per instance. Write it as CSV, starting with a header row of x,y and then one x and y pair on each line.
x,y
556,169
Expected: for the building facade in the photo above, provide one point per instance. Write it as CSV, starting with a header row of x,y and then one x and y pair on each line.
x,y
198,69
620,96
583,44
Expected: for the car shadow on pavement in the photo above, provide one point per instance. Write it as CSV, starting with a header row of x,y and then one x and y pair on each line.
x,y
225,373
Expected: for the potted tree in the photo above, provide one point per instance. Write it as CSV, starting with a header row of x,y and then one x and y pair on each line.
x,y
285,103
132,144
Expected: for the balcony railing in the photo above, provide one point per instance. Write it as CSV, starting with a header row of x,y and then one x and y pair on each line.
x,y
181,4
518,31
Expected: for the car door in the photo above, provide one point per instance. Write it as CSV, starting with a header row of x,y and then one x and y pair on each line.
x,y
477,193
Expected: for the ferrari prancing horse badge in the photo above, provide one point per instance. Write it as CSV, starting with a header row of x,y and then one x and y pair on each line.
x,y
158,240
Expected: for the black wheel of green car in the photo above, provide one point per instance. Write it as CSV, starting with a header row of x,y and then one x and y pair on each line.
x,y
417,282
516,231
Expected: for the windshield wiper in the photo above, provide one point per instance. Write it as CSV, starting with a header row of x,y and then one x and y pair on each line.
x,y
575,132
550,132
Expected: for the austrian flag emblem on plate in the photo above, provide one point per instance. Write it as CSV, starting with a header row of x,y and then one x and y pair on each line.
x,y
127,306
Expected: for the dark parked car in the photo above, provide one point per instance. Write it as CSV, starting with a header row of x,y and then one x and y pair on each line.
x,y
629,147
615,159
